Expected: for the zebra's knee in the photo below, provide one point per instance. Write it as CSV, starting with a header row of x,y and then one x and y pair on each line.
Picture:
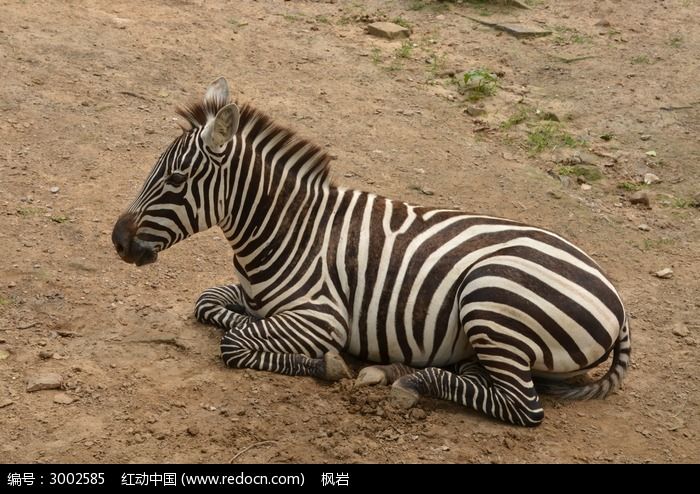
x,y
203,306
213,299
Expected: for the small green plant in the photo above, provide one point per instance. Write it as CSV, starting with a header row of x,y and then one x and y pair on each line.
x,y
520,116
641,59
4,301
402,22
590,173
404,51
676,41
322,19
293,17
478,83
60,218
376,56
566,35
437,64
236,24
650,244
549,135
630,186
682,203
27,212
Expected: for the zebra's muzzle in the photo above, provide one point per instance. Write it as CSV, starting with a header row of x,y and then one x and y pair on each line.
x,y
130,248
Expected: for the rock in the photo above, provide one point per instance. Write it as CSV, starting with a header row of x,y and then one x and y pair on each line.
x,y
388,30
66,334
651,153
696,199
120,22
664,274
585,187
417,414
4,354
680,329
475,110
645,137
63,399
641,197
192,430
508,443
602,23
6,403
550,116
515,29
555,194
650,178
38,382
587,158
54,190
644,227
45,354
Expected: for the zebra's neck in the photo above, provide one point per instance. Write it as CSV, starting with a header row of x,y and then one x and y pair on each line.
x,y
276,183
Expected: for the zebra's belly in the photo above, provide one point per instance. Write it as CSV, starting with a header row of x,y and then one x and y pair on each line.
x,y
420,342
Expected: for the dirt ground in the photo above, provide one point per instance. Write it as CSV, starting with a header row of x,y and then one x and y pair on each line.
x,y
87,93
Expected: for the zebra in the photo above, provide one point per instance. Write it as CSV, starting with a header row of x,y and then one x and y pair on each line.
x,y
483,311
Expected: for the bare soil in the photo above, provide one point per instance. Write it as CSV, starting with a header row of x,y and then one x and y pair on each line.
x,y
87,93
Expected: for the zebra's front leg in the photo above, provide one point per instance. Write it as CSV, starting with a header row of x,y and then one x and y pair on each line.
x,y
285,343
223,306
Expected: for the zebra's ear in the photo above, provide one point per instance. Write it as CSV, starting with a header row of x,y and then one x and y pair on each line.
x,y
220,130
217,90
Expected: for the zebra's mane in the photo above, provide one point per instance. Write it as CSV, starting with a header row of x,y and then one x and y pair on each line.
x,y
198,113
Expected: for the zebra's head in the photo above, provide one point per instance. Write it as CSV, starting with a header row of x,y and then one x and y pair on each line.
x,y
179,197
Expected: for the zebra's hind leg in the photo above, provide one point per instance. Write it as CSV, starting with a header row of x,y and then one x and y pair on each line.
x,y
222,306
382,374
500,387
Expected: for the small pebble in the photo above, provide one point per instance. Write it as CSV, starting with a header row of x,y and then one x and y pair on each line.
x,y
54,190
664,274
681,330
650,178
39,382
63,399
641,197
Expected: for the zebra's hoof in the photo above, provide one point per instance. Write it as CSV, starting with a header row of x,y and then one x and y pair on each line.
x,y
335,367
371,376
403,395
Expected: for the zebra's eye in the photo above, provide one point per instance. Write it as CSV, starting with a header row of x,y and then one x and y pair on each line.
x,y
176,179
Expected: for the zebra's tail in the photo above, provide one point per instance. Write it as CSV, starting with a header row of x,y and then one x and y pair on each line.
x,y
602,387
